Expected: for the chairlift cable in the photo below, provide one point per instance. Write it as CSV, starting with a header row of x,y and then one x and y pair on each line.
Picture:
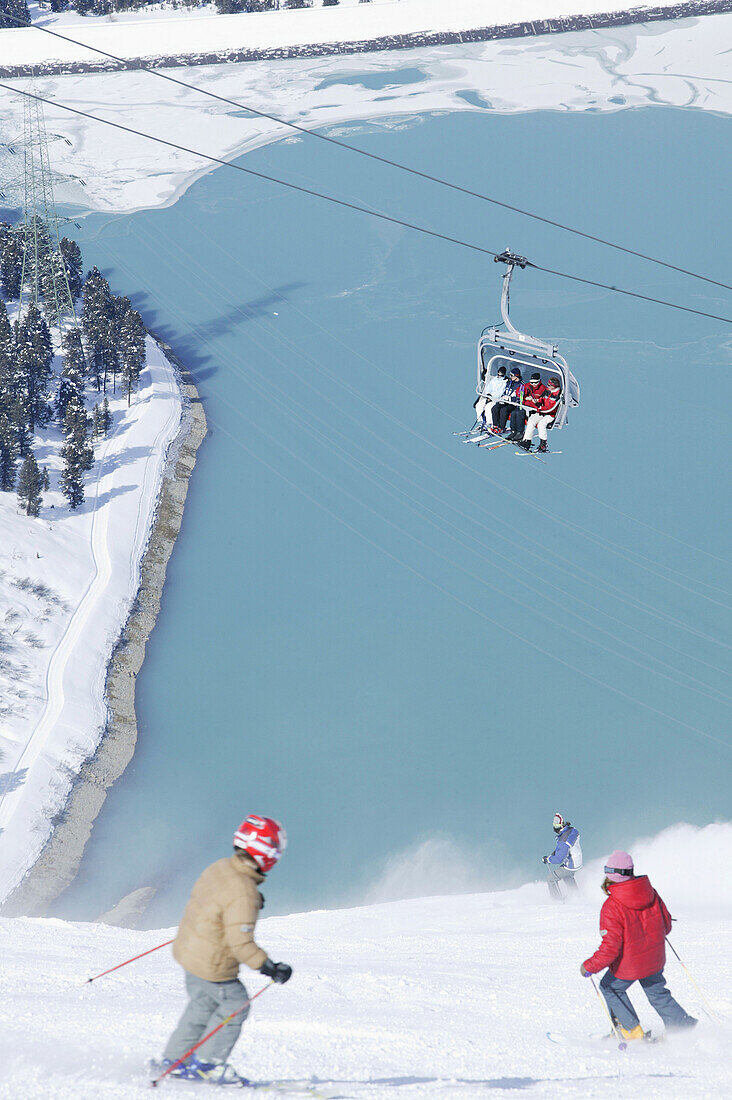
x,y
372,156
353,206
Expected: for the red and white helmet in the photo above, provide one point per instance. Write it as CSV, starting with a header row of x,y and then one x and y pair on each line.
x,y
558,823
262,838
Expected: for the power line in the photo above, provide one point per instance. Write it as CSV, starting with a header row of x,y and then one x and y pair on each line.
x,y
374,156
355,206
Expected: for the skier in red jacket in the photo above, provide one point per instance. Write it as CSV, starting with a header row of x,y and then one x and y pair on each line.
x,y
634,923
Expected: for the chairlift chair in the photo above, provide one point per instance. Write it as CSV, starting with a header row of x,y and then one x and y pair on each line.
x,y
510,348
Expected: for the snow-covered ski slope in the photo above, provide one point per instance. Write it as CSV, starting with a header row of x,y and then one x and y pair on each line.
x,y
178,33
67,582
444,997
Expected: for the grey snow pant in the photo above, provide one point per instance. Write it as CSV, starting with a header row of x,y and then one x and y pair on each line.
x,y
654,987
555,874
210,1003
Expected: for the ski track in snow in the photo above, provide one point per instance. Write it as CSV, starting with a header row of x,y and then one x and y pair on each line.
x,y
438,997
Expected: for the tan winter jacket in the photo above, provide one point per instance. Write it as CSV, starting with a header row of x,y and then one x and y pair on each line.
x,y
216,933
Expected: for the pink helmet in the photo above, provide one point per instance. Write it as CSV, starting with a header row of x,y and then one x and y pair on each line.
x,y
619,866
262,838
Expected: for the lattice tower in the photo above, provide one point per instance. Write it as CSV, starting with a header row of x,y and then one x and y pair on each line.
x,y
44,274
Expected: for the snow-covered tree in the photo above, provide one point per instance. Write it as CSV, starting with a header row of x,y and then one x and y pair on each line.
x,y
132,349
34,356
77,454
71,254
15,10
97,322
8,452
11,264
30,482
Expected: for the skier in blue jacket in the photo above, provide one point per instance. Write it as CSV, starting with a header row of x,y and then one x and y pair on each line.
x,y
565,860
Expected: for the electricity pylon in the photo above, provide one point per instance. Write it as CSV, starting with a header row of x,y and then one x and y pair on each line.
x,y
44,276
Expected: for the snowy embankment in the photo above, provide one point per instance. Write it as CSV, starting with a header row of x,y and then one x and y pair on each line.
x,y
439,997
67,583
674,64
182,33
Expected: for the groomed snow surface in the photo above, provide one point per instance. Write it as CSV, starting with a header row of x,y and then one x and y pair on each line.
x,y
67,582
441,997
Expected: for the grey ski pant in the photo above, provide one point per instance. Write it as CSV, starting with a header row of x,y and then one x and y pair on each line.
x,y
556,874
210,1003
654,987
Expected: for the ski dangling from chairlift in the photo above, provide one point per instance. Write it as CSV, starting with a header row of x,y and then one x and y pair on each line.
x,y
503,350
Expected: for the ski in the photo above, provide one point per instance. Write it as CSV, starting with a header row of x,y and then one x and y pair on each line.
x,y
263,1088
537,454
599,1039
476,436
493,443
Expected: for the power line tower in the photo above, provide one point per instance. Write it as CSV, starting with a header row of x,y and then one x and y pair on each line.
x,y
44,276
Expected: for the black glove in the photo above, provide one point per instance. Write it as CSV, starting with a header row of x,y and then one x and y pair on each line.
x,y
545,859
261,902
278,972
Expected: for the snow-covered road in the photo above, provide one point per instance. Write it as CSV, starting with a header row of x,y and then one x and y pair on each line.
x,y
110,533
435,998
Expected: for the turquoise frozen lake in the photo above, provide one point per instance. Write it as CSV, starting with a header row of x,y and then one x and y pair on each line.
x,y
410,651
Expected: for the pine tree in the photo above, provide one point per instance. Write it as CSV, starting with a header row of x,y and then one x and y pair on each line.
x,y
71,382
29,485
8,453
45,479
77,454
97,420
71,254
106,417
7,360
97,322
17,10
34,355
11,265
132,349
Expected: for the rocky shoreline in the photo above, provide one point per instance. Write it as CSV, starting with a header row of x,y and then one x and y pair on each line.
x,y
59,861
682,9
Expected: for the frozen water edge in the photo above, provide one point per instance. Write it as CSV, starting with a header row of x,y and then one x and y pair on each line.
x,y
680,64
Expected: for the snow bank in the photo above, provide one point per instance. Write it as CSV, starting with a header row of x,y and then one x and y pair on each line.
x,y
431,998
87,566
678,64
176,33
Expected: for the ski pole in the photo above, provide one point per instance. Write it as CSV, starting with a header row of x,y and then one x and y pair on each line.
x,y
127,962
200,1042
709,1008
622,1045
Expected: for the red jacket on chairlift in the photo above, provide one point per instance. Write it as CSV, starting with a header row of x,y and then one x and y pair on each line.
x,y
550,403
533,395
634,923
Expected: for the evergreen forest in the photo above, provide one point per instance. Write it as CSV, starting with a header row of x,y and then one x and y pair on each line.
x,y
66,341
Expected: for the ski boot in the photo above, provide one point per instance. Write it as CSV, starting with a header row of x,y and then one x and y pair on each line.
x,y
543,446
635,1033
213,1073
525,443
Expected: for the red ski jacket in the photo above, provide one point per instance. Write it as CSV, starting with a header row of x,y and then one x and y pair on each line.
x,y
533,395
634,924
550,403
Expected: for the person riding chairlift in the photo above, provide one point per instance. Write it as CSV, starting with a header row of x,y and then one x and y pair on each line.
x,y
491,390
513,395
533,395
544,415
